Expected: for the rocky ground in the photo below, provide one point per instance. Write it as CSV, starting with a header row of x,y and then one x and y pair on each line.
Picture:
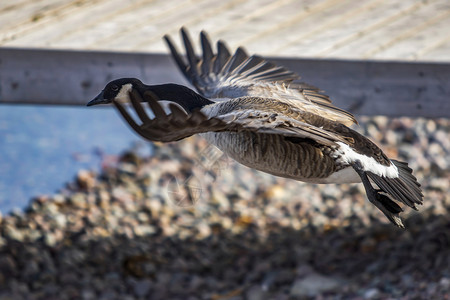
x,y
188,223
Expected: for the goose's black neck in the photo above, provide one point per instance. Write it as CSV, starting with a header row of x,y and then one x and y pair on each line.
x,y
179,94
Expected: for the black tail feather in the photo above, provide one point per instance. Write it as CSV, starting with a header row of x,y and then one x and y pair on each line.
x,y
403,188
389,204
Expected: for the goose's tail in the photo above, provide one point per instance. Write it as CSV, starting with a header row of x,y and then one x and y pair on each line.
x,y
403,187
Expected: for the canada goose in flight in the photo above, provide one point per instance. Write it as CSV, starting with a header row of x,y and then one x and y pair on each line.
x,y
259,115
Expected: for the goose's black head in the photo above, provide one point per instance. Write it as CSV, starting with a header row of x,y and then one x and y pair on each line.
x,y
116,90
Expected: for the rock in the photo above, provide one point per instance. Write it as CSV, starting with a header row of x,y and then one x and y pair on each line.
x,y
445,283
256,292
18,287
31,269
78,200
88,294
8,265
371,293
144,230
50,239
304,270
142,287
14,233
196,283
50,289
108,294
60,220
314,284
58,199
68,278
86,179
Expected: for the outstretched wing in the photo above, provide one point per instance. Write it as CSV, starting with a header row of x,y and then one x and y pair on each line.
x,y
222,75
165,127
219,75
178,124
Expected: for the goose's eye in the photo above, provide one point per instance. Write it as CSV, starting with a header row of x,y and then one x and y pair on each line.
x,y
115,88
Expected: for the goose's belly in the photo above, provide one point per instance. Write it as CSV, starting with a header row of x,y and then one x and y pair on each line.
x,y
274,155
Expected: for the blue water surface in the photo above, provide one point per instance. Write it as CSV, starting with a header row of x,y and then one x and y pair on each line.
x,y
43,147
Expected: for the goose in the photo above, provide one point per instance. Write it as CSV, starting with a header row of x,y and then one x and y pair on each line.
x,y
263,117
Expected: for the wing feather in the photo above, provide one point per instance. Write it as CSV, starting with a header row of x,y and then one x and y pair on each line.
x,y
179,124
208,55
192,57
222,75
223,54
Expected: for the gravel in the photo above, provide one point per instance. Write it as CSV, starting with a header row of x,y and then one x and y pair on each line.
x,y
187,223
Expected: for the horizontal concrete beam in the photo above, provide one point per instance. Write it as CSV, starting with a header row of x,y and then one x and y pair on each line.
x,y
59,77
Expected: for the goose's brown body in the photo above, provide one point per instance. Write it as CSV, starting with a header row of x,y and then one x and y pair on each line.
x,y
274,154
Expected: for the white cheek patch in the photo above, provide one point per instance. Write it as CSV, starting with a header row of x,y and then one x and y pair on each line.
x,y
124,94
369,164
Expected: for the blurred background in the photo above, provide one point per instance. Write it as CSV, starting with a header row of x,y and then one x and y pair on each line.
x,y
76,181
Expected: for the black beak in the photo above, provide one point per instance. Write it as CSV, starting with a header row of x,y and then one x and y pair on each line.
x,y
98,100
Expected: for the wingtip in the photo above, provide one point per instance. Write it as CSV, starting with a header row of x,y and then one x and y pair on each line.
x,y
170,44
184,33
242,51
221,43
183,30
167,38
205,41
222,48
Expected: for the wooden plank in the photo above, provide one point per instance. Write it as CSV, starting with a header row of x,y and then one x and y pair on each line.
x,y
32,16
6,6
20,12
252,21
190,15
350,28
237,16
116,24
148,32
65,21
436,53
363,87
303,25
366,29
433,31
390,32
